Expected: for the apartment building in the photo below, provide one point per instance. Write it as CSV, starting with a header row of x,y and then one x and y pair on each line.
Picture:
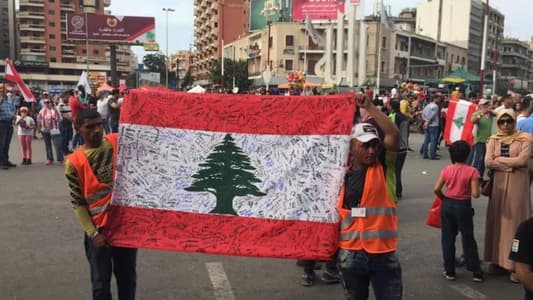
x,y
8,30
517,63
180,63
47,59
461,23
216,22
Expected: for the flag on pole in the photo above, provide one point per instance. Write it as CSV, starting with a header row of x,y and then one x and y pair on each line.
x,y
311,31
12,75
225,174
459,125
84,80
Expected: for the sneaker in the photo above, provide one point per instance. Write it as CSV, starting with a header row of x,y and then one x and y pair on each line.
x,y
28,161
308,279
330,277
478,277
10,164
449,276
48,162
513,278
24,161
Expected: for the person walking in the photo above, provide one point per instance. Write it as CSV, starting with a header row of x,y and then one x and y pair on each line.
x,y
65,125
462,184
508,152
90,171
103,109
7,115
25,125
48,120
483,119
114,110
367,206
431,125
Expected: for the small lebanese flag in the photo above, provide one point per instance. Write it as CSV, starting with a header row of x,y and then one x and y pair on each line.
x,y
231,174
11,74
459,125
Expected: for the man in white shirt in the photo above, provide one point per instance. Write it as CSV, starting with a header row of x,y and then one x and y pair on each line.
x,y
103,109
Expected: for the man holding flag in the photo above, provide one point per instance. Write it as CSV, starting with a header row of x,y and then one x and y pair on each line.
x,y
367,205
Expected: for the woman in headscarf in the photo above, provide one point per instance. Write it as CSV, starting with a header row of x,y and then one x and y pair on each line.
x,y
508,152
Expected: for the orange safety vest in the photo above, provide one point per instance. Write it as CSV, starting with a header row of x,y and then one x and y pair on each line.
x,y
96,194
377,232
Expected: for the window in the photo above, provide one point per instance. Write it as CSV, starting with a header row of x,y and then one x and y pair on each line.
x,y
52,36
51,1
53,59
384,43
51,24
96,51
382,66
52,48
288,65
270,42
289,41
51,12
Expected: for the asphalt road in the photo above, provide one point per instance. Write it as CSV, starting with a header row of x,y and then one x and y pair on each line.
x,y
42,255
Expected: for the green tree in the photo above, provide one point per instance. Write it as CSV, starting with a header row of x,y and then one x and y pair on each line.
x,y
156,63
227,173
240,71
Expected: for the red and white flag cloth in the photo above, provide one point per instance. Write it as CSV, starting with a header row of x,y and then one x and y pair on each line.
x,y
231,174
459,124
11,74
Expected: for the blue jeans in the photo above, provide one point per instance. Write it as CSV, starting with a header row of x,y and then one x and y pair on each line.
x,y
107,260
6,133
66,134
358,269
430,139
476,158
113,124
456,216
56,140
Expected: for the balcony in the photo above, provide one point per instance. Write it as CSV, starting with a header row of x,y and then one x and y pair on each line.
x,y
67,7
31,15
31,40
31,3
33,51
31,27
67,44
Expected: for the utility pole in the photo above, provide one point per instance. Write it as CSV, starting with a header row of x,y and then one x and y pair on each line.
x,y
484,50
167,10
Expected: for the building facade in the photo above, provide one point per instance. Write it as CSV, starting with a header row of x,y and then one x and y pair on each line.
x,y
461,22
516,68
216,22
8,32
47,59
180,63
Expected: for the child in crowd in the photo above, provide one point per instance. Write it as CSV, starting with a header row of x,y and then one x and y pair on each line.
x,y
462,183
25,125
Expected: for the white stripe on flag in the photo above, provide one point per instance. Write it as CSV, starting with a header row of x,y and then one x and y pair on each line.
x,y
301,175
459,117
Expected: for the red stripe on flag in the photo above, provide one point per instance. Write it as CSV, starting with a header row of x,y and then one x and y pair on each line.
x,y
220,234
449,121
11,74
467,134
283,115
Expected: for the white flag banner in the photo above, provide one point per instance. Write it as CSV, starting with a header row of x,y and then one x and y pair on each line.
x,y
84,80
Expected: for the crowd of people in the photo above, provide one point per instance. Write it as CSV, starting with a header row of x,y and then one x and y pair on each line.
x,y
368,201
50,118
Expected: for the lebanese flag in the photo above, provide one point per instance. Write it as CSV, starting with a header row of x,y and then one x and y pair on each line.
x,y
231,174
11,74
459,125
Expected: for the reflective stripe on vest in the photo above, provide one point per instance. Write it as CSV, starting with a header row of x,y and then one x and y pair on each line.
x,y
100,194
370,211
98,209
368,235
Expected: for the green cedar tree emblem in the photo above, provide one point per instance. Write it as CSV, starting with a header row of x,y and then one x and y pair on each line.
x,y
227,173
459,122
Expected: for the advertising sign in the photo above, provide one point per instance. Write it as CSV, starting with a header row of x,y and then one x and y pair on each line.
x,y
107,28
316,9
96,78
258,20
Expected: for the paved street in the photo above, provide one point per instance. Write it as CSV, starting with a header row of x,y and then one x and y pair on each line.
x,y
42,254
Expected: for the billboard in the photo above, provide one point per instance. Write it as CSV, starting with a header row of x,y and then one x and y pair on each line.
x,y
258,20
107,28
317,10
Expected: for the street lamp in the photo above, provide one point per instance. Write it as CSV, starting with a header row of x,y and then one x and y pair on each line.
x,y
167,10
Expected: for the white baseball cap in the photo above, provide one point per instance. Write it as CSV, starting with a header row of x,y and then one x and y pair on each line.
x,y
365,132
483,101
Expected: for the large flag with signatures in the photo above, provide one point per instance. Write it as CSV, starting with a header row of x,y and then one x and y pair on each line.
x,y
459,125
231,174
